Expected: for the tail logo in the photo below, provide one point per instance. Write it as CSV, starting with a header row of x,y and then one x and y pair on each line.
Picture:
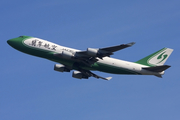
x,y
159,57
162,56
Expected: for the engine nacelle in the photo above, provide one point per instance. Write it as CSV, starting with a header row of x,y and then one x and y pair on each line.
x,y
61,68
67,55
92,52
79,75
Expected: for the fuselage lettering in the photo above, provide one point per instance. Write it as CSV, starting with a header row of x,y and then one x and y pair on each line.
x,y
42,44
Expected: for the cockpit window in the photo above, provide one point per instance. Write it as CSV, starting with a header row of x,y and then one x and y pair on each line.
x,y
21,36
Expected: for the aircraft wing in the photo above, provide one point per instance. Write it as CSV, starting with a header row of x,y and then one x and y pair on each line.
x,y
90,55
118,47
90,74
103,52
81,73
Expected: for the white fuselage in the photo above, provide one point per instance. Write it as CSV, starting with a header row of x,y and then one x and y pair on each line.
x,y
49,46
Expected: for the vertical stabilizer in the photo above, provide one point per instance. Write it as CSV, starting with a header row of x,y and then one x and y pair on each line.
x,y
156,59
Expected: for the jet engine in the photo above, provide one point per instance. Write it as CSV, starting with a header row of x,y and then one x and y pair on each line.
x,y
61,68
92,52
67,55
97,52
79,75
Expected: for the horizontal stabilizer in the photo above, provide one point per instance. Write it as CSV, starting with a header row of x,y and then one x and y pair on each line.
x,y
157,68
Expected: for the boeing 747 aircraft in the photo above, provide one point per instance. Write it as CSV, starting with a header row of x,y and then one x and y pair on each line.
x,y
83,62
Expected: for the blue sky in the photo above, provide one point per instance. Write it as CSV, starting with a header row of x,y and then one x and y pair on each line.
x,y
31,89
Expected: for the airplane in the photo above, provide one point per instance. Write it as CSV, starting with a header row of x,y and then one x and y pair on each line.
x,y
92,59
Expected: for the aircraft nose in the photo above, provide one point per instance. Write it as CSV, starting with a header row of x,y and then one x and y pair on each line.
x,y
15,41
11,42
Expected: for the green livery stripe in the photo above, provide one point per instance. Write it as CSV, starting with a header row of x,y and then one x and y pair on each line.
x,y
112,69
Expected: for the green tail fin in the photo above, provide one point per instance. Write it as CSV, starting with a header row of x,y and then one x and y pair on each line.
x,y
157,58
